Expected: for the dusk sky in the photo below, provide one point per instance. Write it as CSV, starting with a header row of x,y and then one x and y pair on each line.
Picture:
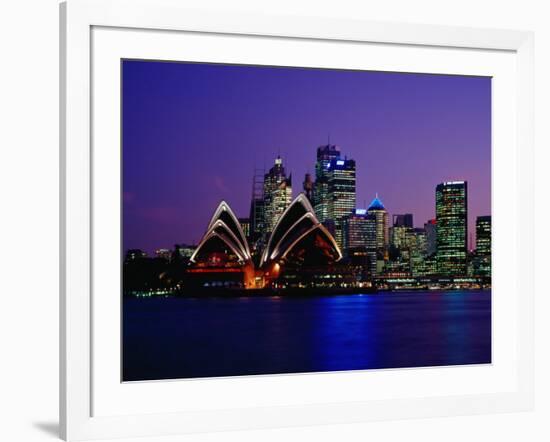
x,y
194,133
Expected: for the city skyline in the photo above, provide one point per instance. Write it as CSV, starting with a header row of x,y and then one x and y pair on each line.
x,y
184,174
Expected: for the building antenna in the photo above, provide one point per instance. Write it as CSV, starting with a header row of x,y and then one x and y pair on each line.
x,y
328,138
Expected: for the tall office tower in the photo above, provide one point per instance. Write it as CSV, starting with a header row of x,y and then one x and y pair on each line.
x,y
277,195
308,187
417,251
378,210
407,244
355,230
257,208
431,236
402,225
359,239
451,208
325,154
341,194
405,220
483,235
482,262
398,237
371,244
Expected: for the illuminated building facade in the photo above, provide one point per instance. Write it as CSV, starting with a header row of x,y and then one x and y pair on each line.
x,y
245,225
399,236
256,215
483,235
408,247
325,154
184,251
380,233
355,230
417,251
341,193
451,202
359,239
482,262
163,254
427,267
277,195
379,212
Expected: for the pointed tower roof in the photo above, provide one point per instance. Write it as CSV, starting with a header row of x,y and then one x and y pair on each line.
x,y
376,204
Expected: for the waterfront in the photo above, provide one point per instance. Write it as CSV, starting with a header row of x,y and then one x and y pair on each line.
x,y
171,337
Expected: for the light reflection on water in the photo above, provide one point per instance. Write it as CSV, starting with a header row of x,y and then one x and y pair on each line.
x,y
178,338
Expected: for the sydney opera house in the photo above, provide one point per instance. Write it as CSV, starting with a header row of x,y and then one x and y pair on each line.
x,y
299,253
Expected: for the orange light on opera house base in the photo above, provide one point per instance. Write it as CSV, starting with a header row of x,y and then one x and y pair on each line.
x,y
223,259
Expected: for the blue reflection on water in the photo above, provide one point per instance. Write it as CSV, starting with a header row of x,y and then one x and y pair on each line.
x,y
178,338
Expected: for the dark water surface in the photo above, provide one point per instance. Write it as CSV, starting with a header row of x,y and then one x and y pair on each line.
x,y
168,338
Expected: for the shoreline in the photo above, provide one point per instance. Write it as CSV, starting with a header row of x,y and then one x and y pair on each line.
x,y
292,293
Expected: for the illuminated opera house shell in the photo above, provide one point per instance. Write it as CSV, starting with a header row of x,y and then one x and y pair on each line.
x,y
299,238
224,238
223,256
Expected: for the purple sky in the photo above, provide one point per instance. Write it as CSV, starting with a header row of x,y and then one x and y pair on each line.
x,y
193,134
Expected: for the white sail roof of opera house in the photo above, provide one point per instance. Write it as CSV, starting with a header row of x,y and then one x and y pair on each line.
x,y
225,226
297,222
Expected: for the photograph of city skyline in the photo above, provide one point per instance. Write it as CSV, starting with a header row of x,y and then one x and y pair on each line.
x,y
294,220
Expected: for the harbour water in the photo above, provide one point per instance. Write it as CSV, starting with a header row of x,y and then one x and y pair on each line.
x,y
174,337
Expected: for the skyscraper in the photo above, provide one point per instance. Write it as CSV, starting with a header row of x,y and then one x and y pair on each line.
x,y
407,245
277,194
341,194
398,237
482,261
325,154
402,225
431,236
355,230
483,235
257,209
359,238
451,207
417,251
372,249
378,212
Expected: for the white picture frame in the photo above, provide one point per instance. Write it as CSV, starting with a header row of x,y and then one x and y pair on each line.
x,y
77,377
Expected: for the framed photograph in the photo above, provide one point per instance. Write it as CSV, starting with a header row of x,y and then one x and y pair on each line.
x,y
281,221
